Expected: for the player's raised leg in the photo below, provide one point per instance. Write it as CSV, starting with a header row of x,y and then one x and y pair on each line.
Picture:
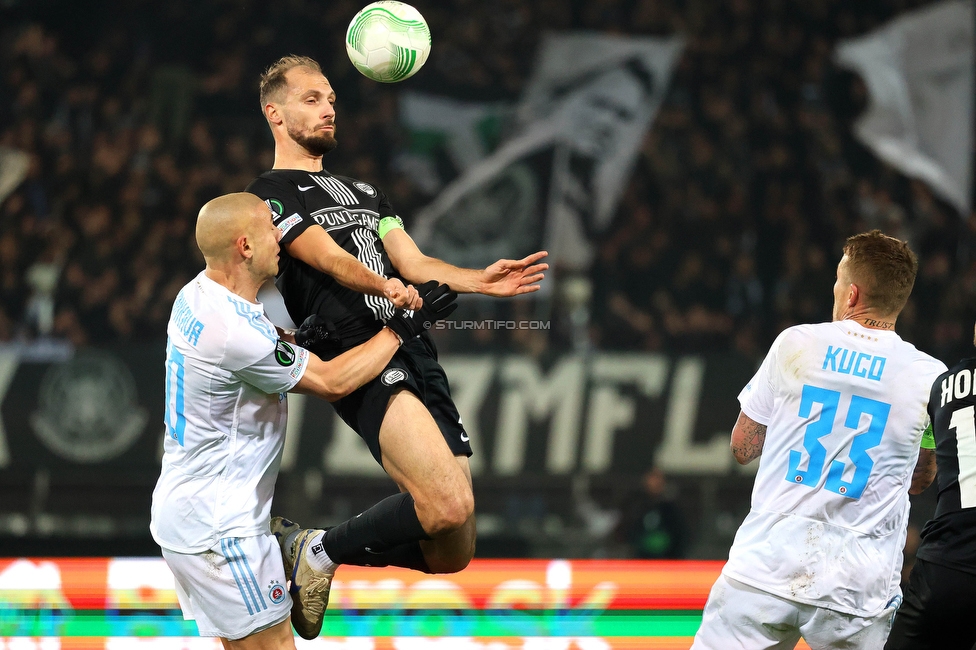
x,y
416,456
430,525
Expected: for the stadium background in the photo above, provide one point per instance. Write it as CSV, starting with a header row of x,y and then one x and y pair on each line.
x,y
133,114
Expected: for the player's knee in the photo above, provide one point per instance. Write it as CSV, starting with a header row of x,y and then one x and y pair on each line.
x,y
456,554
452,564
450,513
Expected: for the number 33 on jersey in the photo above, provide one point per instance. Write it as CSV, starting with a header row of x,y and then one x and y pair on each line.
x,y
844,408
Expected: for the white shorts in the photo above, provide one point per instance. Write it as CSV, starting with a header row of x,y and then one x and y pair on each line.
x,y
739,616
233,590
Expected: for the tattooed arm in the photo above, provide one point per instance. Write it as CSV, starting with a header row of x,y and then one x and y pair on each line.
x,y
748,437
924,473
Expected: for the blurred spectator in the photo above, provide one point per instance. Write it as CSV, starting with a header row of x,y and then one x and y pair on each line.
x,y
652,523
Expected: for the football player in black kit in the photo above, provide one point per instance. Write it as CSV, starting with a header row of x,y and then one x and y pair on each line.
x,y
406,416
941,593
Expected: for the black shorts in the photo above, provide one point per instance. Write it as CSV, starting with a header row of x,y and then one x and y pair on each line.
x,y
935,614
415,368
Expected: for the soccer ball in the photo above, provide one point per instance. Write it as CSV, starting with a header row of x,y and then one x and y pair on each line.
x,y
388,41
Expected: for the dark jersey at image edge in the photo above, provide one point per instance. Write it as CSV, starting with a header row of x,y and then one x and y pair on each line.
x,y
350,211
949,538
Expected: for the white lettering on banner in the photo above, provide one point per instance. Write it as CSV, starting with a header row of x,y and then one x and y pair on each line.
x,y
136,583
609,409
678,452
32,583
9,361
611,387
528,397
470,378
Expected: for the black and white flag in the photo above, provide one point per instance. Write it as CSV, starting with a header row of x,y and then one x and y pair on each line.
x,y
918,70
557,182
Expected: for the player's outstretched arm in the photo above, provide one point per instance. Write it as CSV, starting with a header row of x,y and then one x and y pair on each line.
x,y
503,278
748,437
316,248
925,470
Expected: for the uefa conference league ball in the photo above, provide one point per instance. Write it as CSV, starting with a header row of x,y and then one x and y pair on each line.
x,y
388,41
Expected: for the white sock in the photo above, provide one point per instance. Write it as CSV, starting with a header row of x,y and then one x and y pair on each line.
x,y
315,553
290,541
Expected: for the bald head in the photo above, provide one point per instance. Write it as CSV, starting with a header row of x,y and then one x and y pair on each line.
x,y
223,220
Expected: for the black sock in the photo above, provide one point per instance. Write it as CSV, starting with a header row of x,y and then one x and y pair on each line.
x,y
389,524
408,556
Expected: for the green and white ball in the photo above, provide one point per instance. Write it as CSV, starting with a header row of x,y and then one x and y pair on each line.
x,y
388,41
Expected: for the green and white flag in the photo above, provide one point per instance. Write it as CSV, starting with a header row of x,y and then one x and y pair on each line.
x,y
447,136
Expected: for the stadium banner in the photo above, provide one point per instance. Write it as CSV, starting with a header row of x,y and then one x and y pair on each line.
x,y
126,584
919,71
126,603
556,183
100,411
95,408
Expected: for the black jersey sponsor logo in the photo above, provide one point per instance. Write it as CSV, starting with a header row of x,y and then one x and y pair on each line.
x,y
393,375
330,218
284,354
365,188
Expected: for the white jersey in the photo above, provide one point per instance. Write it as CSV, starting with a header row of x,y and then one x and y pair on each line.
x,y
226,410
845,408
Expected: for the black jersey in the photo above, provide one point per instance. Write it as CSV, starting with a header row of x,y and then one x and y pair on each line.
x,y
350,212
950,538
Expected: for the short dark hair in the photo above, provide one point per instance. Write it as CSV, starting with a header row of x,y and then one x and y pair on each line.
x,y
273,79
884,269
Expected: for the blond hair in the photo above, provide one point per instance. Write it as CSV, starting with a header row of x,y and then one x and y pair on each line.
x,y
883,267
273,80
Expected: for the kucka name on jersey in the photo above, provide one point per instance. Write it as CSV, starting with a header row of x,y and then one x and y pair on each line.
x,y
853,362
957,386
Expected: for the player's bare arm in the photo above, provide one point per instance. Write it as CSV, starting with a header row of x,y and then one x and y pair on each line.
x,y
503,278
333,380
316,248
925,470
748,437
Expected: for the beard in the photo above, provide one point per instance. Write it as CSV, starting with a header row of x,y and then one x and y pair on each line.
x,y
315,144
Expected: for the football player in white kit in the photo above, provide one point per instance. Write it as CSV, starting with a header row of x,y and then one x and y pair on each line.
x,y
835,414
227,372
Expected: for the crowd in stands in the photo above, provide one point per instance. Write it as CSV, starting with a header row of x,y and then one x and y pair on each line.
x,y
136,113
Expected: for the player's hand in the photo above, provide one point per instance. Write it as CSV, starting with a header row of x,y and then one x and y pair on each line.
x,y
514,277
438,305
318,335
402,297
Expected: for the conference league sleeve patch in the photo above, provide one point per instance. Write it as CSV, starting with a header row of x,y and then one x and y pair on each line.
x,y
277,208
284,354
278,371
